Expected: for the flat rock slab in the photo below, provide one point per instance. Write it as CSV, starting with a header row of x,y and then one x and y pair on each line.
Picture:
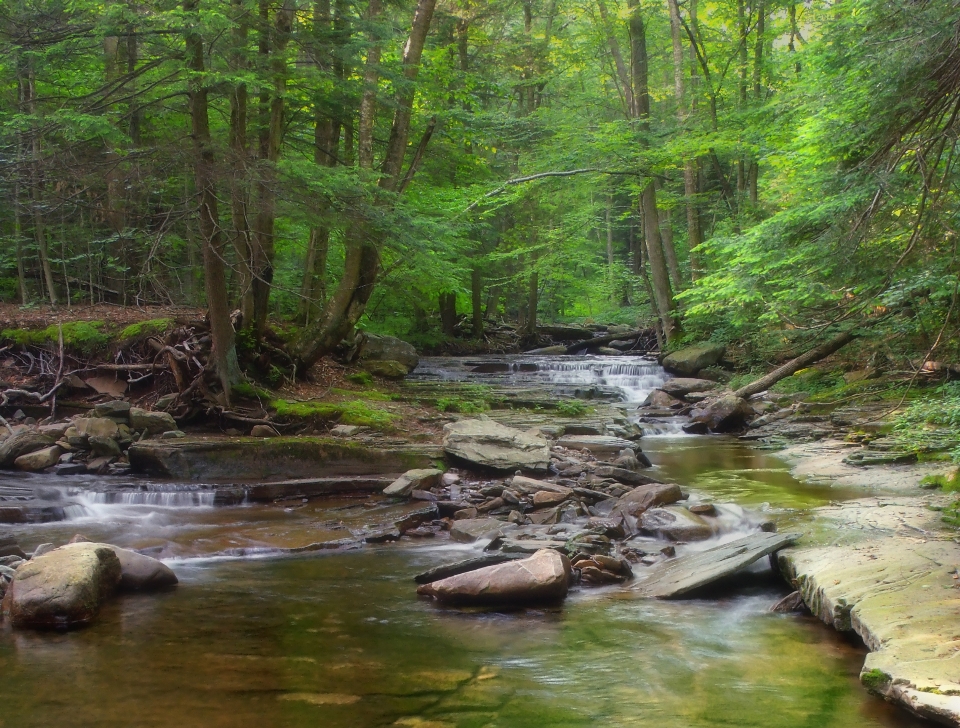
x,y
313,487
241,458
900,594
462,567
491,445
678,577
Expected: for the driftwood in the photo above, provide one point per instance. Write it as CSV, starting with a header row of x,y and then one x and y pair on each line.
x,y
606,339
795,365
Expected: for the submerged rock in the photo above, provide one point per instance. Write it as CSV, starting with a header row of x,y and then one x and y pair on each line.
x,y
544,577
63,588
596,444
676,524
141,573
491,445
649,496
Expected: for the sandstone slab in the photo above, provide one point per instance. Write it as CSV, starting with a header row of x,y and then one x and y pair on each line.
x,y
491,445
544,577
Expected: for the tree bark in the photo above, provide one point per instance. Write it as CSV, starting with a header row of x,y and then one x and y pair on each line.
x,y
476,300
663,294
795,365
533,294
224,354
448,313
362,263
239,200
263,233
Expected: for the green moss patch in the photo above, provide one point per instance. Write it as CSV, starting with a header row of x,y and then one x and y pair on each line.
x,y
875,680
354,412
84,336
147,328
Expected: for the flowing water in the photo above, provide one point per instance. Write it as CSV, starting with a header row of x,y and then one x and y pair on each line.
x,y
340,639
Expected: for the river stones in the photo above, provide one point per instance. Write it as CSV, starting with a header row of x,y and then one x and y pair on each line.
x,y
682,386
468,530
116,409
416,479
728,413
96,427
543,577
39,459
676,524
141,573
63,588
491,445
661,400
153,423
388,348
596,444
690,360
648,496
622,475
22,443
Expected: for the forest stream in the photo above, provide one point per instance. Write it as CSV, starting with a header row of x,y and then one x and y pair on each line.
x,y
254,637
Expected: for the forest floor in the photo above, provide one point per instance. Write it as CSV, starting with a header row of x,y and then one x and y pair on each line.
x,y
15,316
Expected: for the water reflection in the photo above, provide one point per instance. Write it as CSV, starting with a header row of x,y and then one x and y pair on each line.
x,y
340,641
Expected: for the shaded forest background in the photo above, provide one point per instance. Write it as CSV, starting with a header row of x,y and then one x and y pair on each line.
x,y
758,171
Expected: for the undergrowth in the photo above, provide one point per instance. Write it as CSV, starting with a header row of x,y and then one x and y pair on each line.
x,y
931,422
353,412
86,337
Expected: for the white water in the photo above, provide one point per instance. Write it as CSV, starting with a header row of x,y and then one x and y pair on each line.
x,y
635,377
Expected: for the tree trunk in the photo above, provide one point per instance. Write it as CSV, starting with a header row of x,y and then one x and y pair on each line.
x,y
362,262
663,295
533,292
224,354
368,102
476,299
795,365
29,98
239,201
666,236
448,314
271,136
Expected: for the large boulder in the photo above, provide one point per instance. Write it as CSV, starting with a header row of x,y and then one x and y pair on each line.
x,y
690,360
153,423
141,573
39,459
417,479
649,496
491,445
544,577
116,409
63,588
682,386
728,413
386,368
96,427
22,443
676,524
388,348
661,400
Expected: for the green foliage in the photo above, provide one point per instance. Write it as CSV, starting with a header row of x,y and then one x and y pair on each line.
x,y
464,406
86,337
364,379
251,391
146,328
354,412
931,422
571,407
947,483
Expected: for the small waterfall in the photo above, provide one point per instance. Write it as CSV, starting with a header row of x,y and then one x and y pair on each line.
x,y
162,496
634,377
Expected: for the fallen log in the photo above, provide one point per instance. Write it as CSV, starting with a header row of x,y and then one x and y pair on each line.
x,y
795,365
606,339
